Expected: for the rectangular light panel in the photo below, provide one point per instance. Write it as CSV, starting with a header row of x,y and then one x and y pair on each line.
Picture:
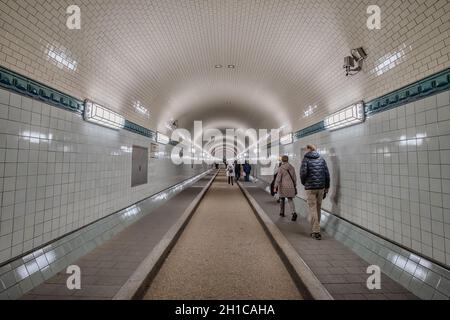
x,y
287,139
102,116
349,116
161,138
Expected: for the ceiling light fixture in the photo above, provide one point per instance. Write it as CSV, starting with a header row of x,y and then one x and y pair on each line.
x,y
102,116
218,66
231,66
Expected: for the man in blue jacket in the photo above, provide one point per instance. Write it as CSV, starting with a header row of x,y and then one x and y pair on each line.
x,y
247,170
315,177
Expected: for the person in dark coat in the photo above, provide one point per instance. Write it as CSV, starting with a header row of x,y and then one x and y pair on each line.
x,y
315,176
247,170
237,170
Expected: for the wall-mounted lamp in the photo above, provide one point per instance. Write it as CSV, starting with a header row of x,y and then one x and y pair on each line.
x,y
102,116
358,56
349,116
172,124
287,139
162,138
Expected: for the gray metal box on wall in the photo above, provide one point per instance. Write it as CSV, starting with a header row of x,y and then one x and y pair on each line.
x,y
139,166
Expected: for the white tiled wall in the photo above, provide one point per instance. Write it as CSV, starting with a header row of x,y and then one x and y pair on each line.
x,y
391,174
59,173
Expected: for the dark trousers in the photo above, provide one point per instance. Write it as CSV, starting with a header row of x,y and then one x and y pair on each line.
x,y
283,205
247,177
230,181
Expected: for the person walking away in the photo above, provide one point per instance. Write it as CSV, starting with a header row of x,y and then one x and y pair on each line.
x,y
247,170
230,173
315,177
286,186
237,170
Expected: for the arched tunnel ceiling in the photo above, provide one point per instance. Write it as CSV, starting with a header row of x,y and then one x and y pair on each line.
x,y
288,55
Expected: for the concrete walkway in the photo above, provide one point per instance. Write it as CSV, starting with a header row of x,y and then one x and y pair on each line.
x,y
223,254
342,272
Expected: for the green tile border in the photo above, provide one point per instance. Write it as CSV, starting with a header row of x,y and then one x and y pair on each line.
x,y
135,128
418,90
429,86
421,89
13,81
20,84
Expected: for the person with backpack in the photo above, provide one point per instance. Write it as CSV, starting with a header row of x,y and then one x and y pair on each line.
x,y
230,173
315,177
286,186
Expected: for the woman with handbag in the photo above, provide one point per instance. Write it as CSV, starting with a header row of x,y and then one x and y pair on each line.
x,y
272,185
230,173
286,186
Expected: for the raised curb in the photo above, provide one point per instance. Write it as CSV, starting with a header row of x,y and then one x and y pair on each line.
x,y
304,278
136,285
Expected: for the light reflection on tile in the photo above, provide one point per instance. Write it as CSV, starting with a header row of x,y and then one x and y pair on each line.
x,y
391,60
61,57
21,273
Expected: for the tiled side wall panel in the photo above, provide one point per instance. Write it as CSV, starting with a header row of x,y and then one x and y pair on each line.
x,y
391,174
59,173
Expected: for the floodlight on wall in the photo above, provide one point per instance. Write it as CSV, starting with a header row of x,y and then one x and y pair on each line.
x,y
162,138
358,56
172,124
102,116
349,116
287,139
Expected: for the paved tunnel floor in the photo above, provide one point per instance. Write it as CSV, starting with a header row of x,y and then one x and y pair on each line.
x,y
340,270
223,254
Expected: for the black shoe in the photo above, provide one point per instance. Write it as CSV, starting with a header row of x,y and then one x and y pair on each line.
x,y
282,215
294,217
316,236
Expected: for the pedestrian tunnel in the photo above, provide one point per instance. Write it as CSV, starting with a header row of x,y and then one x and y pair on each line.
x,y
147,149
